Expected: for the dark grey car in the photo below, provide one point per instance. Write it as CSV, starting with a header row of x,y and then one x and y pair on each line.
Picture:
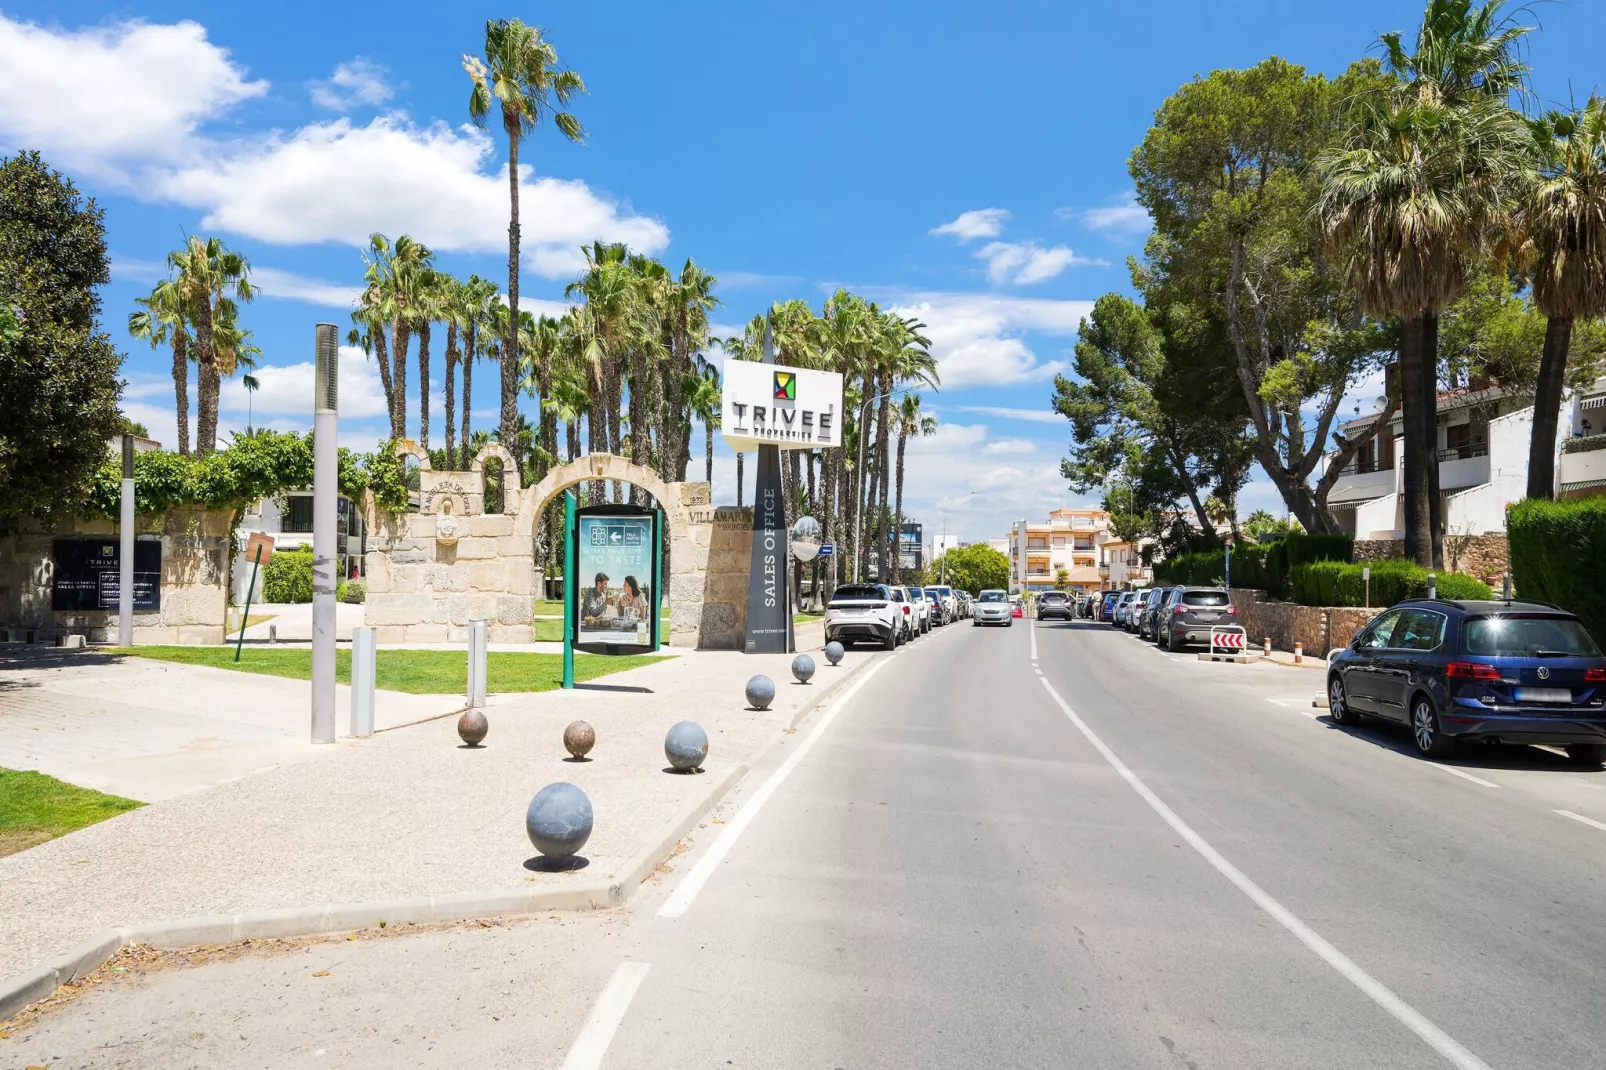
x,y
1160,602
1194,611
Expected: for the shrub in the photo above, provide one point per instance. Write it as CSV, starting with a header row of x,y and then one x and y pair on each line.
x,y
355,592
1342,583
1558,554
287,577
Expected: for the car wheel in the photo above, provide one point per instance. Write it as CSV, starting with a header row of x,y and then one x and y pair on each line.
x,y
1338,707
1591,754
1429,738
890,643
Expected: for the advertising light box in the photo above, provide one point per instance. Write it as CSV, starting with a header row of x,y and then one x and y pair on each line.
x,y
773,405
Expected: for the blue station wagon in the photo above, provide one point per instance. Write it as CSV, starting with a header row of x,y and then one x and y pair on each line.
x,y
1517,672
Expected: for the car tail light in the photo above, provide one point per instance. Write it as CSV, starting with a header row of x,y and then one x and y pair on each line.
x,y
1471,670
1595,676
907,610
1178,610
1232,610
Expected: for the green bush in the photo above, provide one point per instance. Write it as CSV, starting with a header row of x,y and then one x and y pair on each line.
x,y
355,592
1342,583
1201,569
1298,548
1558,554
287,577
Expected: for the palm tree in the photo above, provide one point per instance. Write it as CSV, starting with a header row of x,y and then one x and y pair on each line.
x,y
252,384
703,400
208,273
1565,220
1410,200
428,304
912,423
481,303
161,320
521,79
395,280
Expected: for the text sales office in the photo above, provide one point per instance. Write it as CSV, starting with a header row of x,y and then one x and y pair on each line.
x,y
773,405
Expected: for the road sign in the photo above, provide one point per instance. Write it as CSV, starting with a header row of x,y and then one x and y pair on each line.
x,y
259,548
1228,637
827,549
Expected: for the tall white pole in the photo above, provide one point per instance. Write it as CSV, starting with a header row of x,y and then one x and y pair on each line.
x,y
125,549
325,492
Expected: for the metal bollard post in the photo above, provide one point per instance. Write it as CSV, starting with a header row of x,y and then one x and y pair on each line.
x,y
1266,646
363,667
477,649
1433,585
273,634
1299,653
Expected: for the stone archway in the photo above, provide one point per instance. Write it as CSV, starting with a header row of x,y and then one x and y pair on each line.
x,y
707,604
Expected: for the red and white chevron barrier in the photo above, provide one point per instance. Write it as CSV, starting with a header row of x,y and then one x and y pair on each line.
x,y
1231,637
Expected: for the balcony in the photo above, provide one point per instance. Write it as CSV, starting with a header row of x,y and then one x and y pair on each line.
x,y
1463,466
1355,487
1583,466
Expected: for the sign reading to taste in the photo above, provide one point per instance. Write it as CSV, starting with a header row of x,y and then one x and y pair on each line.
x,y
773,405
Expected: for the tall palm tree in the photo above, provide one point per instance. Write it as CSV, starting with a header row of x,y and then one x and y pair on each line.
x,y
162,320
394,277
1428,170
252,384
520,79
429,303
691,299
1565,219
702,396
912,423
481,303
208,272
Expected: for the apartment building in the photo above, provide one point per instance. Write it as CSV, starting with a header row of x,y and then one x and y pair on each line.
x,y
1071,539
289,520
1482,444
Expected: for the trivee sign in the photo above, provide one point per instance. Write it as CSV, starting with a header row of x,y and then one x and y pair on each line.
x,y
773,405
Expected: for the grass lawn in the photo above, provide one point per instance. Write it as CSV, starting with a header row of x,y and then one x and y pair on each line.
x,y
804,618
417,672
35,808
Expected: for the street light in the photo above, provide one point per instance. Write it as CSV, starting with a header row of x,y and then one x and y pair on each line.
x,y
858,519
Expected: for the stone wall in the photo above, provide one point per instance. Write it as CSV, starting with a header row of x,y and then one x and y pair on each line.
x,y
1485,556
1319,628
422,589
194,592
722,622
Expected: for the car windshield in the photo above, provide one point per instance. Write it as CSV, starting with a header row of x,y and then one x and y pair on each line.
x,y
1204,598
1053,596
854,591
944,591
993,596
1528,637
916,592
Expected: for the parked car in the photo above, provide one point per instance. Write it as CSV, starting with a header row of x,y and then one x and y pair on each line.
x,y
950,604
1143,615
939,608
1123,608
1017,606
1518,672
1106,607
1194,611
1159,612
964,600
863,612
991,607
922,609
906,609
1056,605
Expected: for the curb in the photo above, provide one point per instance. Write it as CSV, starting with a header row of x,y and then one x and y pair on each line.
x,y
830,689
19,991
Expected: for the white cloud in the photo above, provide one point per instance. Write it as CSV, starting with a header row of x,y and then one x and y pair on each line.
x,y
336,181
952,476
286,390
977,338
285,285
1127,217
1041,416
131,269
977,223
97,98
738,280
354,83
1023,263
1009,446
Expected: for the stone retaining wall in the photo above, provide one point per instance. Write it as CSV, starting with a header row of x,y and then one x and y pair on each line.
x,y
194,592
422,590
1320,628
1485,556
722,620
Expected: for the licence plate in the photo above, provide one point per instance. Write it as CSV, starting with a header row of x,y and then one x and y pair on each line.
x,y
1209,616
1551,696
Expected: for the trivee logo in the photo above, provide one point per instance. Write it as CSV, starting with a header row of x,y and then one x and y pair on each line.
x,y
785,386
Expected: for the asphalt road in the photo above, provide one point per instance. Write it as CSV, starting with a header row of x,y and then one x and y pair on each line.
x,y
1103,856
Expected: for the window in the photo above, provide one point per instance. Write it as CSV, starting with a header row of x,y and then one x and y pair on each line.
x,y
298,516
1059,540
1527,637
1204,598
1376,637
853,591
1418,629
993,596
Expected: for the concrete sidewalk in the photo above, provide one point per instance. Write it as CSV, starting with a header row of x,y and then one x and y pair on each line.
x,y
409,813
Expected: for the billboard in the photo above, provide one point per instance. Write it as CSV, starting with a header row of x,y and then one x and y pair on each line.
x,y
85,574
616,591
773,405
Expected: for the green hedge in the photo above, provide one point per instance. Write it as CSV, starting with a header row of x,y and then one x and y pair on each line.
x,y
1558,554
1201,569
1298,548
287,577
1341,583
1261,566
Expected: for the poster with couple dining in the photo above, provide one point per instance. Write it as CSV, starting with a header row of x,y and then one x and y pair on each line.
x,y
617,574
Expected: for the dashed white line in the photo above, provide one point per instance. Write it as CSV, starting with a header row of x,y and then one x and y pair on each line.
x,y
1031,626
692,883
1591,822
603,1022
1463,774
1404,1013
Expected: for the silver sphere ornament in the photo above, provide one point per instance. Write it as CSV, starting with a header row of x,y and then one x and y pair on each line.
x,y
802,668
559,820
686,745
834,652
760,692
472,727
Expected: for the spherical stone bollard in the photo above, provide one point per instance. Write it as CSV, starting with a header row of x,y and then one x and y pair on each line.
x,y
472,727
686,745
802,668
559,820
579,738
760,692
834,652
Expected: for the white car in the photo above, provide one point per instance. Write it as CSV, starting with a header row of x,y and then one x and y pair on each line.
x,y
950,602
922,608
906,608
992,607
864,613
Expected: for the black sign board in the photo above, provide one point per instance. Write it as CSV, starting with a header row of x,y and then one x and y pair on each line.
x,y
86,574
769,614
617,568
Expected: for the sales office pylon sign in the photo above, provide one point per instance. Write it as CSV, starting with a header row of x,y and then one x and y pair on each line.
x,y
769,408
773,405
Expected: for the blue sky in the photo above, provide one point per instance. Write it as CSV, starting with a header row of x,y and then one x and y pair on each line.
x,y
964,162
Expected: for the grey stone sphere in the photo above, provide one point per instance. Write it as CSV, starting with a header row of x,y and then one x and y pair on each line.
x,y
802,668
760,692
472,727
834,652
686,745
579,738
559,820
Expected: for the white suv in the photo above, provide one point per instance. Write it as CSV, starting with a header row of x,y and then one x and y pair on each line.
x,y
950,604
922,607
864,612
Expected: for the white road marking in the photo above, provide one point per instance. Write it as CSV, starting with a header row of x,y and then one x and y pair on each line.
x,y
1374,989
595,1036
1463,774
1580,817
692,883
1031,626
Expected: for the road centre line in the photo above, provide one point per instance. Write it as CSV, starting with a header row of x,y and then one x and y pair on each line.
x,y
1462,773
1374,989
1580,817
692,883
603,1022
1031,626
